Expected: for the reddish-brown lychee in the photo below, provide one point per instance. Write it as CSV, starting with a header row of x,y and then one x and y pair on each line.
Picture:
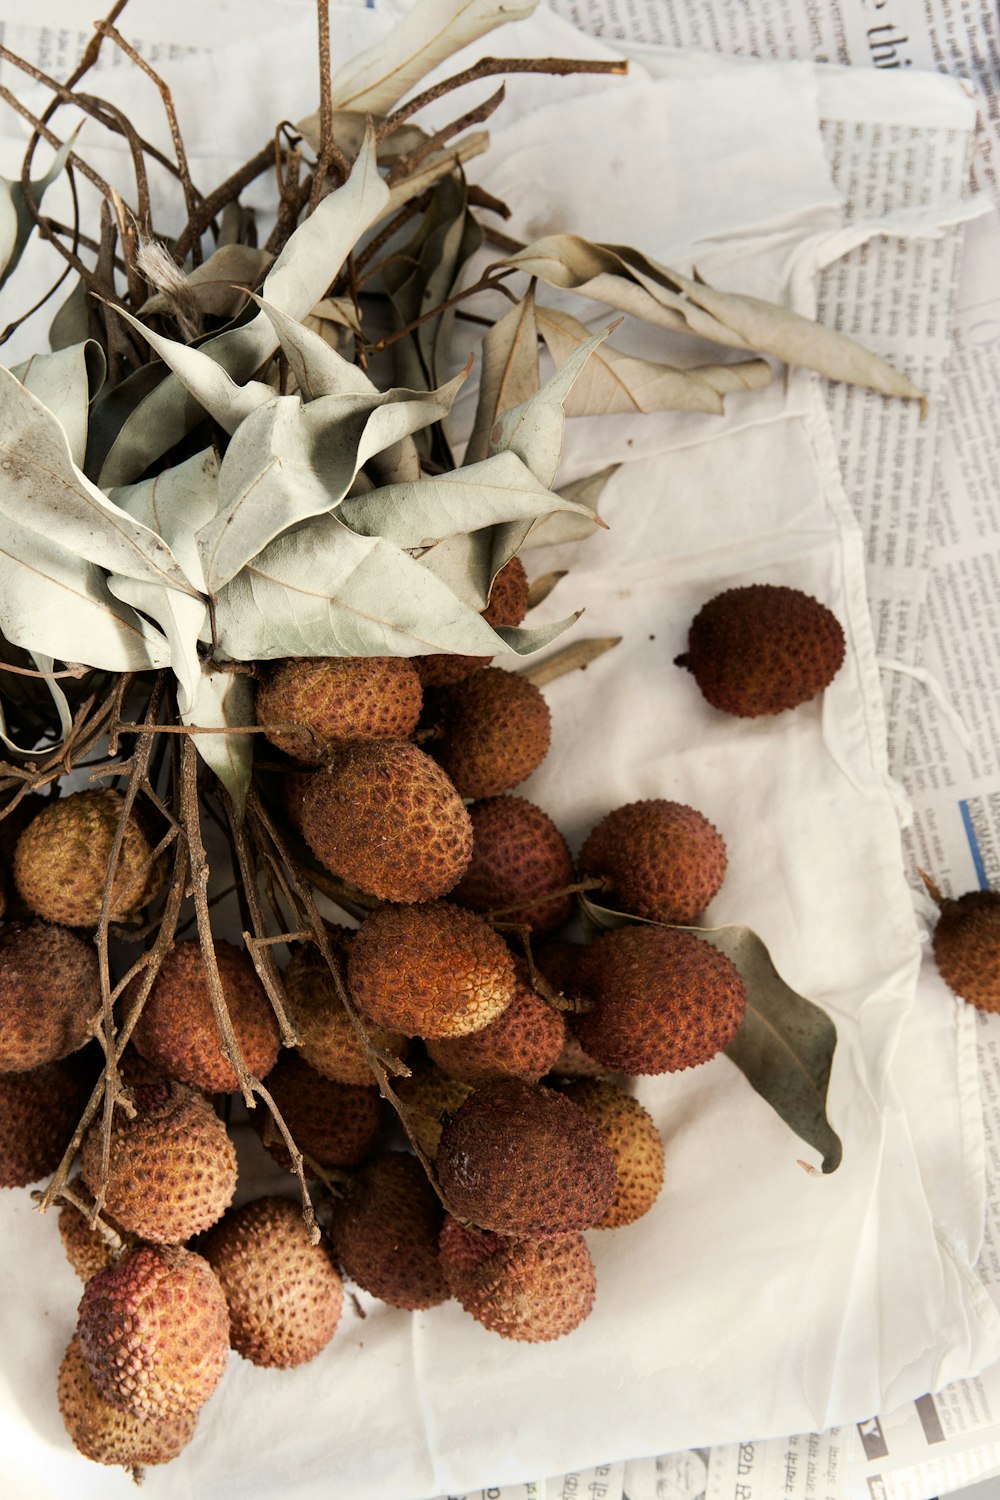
x,y
497,728
508,606
49,992
967,947
635,1143
532,1290
307,706
519,858
38,1112
385,1232
664,861
335,1124
523,1042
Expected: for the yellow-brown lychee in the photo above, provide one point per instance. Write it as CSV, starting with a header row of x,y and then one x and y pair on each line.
x,y
429,1097
307,706
86,1249
327,1038
635,1143
107,1435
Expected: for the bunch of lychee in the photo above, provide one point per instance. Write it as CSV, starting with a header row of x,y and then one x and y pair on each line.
x,y
399,777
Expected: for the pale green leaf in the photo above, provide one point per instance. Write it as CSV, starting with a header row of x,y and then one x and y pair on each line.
x,y
225,700
181,617
508,373
71,324
317,368
65,381
176,504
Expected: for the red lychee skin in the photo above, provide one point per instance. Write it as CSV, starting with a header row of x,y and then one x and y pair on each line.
x,y
337,698
154,1331
523,1042
967,947
521,1160
497,730
518,857
385,1232
664,1000
508,606
178,1030
531,1290
336,1124
38,1113
665,861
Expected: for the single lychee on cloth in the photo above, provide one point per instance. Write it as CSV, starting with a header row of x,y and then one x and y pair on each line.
x,y
385,1232
154,1331
284,1293
49,991
663,860
62,860
967,947
763,648
663,1000
519,859
430,970
532,1290
385,817
307,705
178,1030
107,1435
496,727
522,1160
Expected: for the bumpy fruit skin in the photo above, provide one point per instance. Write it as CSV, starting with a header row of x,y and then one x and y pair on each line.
x,y
38,1113
432,970
635,1144
665,861
497,730
519,857
172,1171
284,1294
337,1124
106,1435
62,860
327,1038
523,1042
523,1161
531,1290
428,1096
49,990
337,698
86,1249
664,1000
177,1029
508,606
385,1232
154,1331
967,947
386,818
763,648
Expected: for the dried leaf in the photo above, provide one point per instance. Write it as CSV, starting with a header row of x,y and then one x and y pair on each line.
x,y
786,1044
430,32
16,220
627,279
435,167
66,381
225,699
568,526
348,129
509,372
63,713
540,588
317,368
218,285
71,324
574,658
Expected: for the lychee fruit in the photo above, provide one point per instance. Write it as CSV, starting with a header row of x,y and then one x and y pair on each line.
x,y
385,1232
284,1293
519,858
385,817
172,1169
428,1097
86,1249
39,1110
523,1161
635,1143
330,699
178,1030
508,606
967,947
532,1290
664,1000
763,648
663,860
154,1331
497,728
49,992
523,1042
336,1124
327,1038
63,856
431,970
107,1435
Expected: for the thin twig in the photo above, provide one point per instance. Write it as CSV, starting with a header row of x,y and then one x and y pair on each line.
x,y
405,166
488,67
490,282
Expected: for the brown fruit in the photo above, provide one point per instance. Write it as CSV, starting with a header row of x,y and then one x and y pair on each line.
x,y
154,1331
532,1290
178,1030
172,1171
327,1038
635,1144
337,698
386,818
385,1232
431,970
508,606
497,729
523,1042
762,649
38,1113
967,947
284,1293
523,1161
50,990
428,1097
664,861
62,861
664,1000
336,1124
106,1435
86,1249
519,858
